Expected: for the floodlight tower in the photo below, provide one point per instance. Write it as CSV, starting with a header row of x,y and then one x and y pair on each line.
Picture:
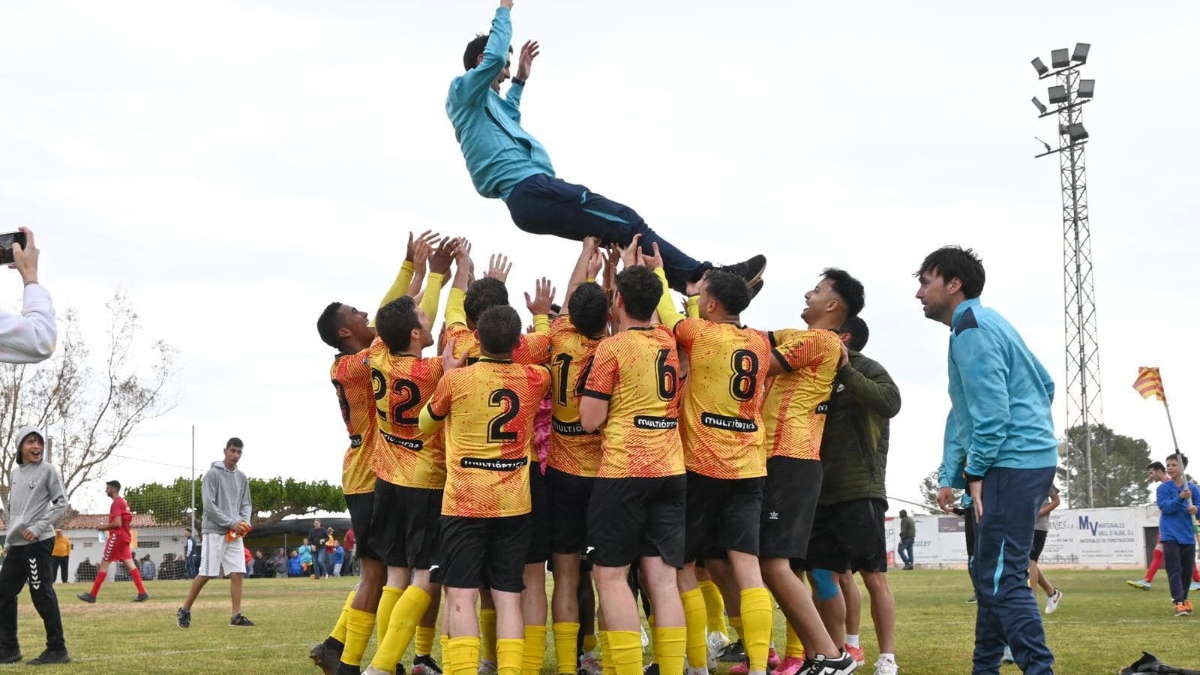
x,y
1082,391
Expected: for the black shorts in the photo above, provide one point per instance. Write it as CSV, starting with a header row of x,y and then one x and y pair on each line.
x,y
1039,542
721,514
484,552
406,531
362,510
630,518
569,497
788,505
849,536
538,550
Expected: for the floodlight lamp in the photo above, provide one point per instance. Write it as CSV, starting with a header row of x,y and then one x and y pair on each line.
x,y
1081,52
1039,66
1076,132
1087,88
1060,58
1057,93
1038,104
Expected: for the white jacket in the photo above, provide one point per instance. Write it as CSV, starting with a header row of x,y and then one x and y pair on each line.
x,y
29,337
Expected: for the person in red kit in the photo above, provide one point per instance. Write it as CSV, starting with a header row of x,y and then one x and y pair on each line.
x,y
120,534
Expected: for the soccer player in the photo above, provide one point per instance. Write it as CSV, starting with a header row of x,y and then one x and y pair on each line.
x,y
226,494
637,505
411,468
574,454
1177,525
488,409
506,162
795,410
1038,578
36,499
347,330
1000,396
120,520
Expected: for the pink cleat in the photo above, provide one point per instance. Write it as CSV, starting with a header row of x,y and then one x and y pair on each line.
x,y
789,666
859,657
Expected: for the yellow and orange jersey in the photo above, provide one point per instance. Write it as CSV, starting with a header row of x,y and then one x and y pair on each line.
x,y
797,400
572,450
723,399
351,375
403,385
489,408
637,372
532,349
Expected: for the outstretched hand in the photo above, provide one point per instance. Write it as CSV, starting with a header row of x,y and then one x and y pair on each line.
x,y
499,267
653,261
629,254
529,52
428,237
543,298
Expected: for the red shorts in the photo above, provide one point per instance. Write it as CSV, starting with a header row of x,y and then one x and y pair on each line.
x,y
116,550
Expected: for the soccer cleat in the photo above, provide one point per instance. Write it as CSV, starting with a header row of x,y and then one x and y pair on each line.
x,y
742,668
652,669
1181,609
772,659
645,638
11,656
751,270
142,597
973,599
183,617
49,657
589,664
1140,584
859,657
733,653
240,621
717,642
1008,657
1188,605
789,666
423,665
886,667
1052,602
487,667
87,597
325,657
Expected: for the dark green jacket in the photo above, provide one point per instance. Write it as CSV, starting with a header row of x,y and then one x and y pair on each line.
x,y
855,444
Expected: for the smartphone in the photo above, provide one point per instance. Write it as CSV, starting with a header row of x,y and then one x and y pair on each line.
x,y
7,240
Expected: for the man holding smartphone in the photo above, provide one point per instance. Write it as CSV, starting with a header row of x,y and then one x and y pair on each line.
x,y
28,337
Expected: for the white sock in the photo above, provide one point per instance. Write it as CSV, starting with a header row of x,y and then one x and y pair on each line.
x,y
887,657
852,640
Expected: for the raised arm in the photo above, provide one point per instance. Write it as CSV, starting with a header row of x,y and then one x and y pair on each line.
x,y
28,337
455,312
439,267
529,52
404,277
586,268
474,84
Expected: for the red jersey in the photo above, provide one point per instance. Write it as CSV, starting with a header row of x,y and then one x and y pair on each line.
x,y
119,511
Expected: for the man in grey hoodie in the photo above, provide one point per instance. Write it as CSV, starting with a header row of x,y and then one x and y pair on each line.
x,y
35,501
226,493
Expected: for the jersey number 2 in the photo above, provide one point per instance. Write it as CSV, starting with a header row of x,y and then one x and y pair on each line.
x,y
499,399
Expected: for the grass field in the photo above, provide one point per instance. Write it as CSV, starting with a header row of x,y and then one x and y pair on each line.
x,y
1101,626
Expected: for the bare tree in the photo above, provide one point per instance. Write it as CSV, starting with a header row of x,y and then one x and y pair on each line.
x,y
88,411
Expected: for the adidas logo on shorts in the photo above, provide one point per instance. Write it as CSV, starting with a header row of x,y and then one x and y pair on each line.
x,y
774,515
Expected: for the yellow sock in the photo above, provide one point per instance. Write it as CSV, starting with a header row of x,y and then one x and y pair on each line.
x,y
339,629
424,641
626,651
795,648
359,626
714,607
756,617
697,640
406,613
510,652
589,642
566,636
670,644
464,654
735,627
653,653
387,601
487,634
535,650
606,663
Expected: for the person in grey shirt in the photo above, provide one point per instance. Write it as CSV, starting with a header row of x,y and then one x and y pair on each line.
x,y
35,501
28,337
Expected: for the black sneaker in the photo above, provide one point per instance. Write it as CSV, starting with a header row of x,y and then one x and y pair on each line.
x,y
183,617
422,665
347,669
87,597
652,669
734,653
240,621
10,655
755,288
820,665
142,597
750,270
49,657
325,657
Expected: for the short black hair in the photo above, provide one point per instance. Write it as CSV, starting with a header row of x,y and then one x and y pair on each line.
x,y
641,290
849,289
728,289
859,333
499,330
903,513
234,442
482,295
329,324
1157,466
395,322
474,48
1179,457
955,262
588,307
115,483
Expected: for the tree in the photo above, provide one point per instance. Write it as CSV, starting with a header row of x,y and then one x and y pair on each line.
x,y
929,490
1118,465
89,412
274,499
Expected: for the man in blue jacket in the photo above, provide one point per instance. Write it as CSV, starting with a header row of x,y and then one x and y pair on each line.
x,y
1176,529
506,162
1006,453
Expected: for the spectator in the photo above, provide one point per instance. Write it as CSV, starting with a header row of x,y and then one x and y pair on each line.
x,y
327,552
339,557
306,558
28,337
191,553
249,561
1176,529
316,539
351,565
149,570
294,567
908,534
86,571
281,564
61,555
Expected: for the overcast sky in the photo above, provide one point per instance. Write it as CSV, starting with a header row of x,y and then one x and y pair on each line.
x,y
234,166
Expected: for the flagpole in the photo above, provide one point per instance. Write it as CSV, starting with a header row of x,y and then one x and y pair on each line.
x,y
1171,424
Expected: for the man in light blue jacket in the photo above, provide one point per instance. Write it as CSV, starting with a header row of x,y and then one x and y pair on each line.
x,y
1006,454
506,162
